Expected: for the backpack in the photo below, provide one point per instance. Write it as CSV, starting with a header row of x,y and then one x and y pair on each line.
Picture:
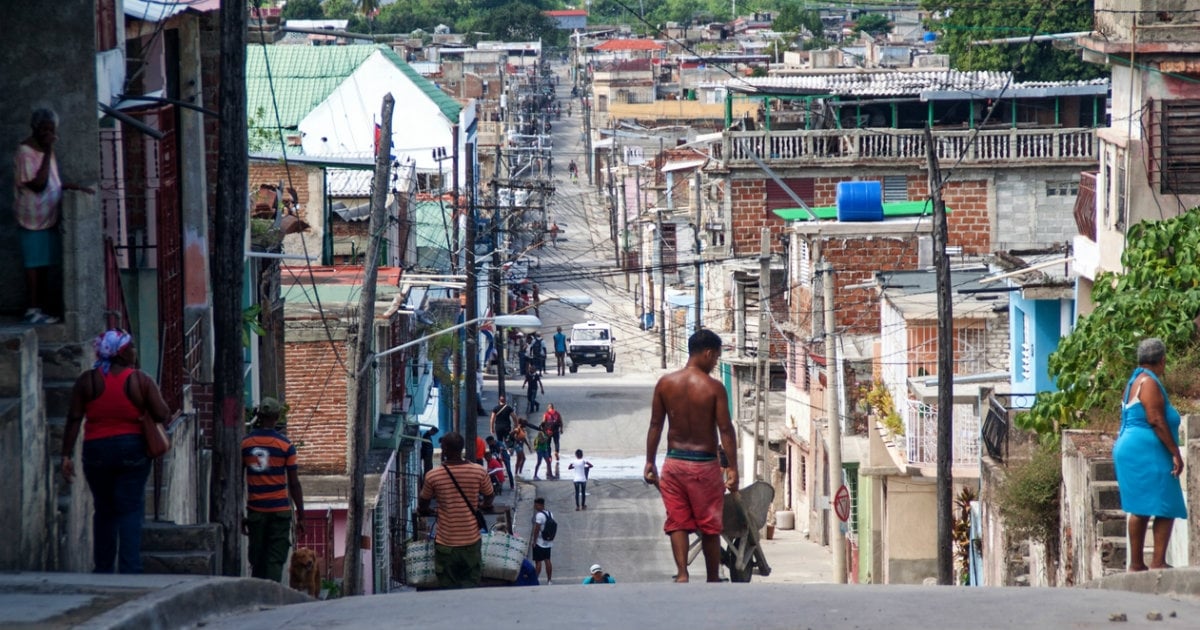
x,y
539,349
550,529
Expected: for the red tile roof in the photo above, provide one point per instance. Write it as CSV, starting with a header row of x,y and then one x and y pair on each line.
x,y
566,13
613,45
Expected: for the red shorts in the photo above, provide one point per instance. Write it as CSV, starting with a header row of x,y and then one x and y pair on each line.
x,y
694,495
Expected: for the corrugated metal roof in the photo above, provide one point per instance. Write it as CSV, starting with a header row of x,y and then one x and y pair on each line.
x,y
897,83
304,76
156,11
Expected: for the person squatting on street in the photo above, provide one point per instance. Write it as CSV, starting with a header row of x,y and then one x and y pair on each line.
x,y
456,484
695,407
581,467
272,479
113,395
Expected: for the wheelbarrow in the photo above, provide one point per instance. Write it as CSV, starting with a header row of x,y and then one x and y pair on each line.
x,y
744,514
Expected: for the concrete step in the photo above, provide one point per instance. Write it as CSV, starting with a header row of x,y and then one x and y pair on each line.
x,y
1106,495
1103,470
63,361
1111,523
1114,550
180,562
166,536
57,396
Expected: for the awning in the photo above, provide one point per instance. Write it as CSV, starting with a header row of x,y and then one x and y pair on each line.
x,y
894,209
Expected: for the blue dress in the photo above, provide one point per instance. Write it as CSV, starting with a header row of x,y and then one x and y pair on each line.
x,y
1143,464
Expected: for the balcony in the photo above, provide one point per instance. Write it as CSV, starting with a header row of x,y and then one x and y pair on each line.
x,y
824,147
920,431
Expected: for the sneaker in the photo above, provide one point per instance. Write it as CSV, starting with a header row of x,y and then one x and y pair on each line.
x,y
41,318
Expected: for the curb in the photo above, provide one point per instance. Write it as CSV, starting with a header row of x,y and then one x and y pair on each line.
x,y
1181,582
188,603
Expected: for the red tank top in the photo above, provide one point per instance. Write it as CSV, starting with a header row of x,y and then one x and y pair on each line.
x,y
112,413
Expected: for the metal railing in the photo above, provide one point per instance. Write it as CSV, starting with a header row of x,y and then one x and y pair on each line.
x,y
851,146
920,430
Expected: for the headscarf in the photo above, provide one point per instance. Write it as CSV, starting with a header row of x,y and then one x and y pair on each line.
x,y
108,346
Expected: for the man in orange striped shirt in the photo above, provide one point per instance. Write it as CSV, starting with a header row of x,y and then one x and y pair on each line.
x,y
457,560
271,480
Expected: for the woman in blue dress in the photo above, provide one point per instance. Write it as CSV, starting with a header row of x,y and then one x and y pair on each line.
x,y
1147,457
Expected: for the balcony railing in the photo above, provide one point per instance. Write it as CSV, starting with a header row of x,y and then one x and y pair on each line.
x,y
1016,147
920,430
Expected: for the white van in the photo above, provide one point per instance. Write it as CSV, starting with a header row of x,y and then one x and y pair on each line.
x,y
592,344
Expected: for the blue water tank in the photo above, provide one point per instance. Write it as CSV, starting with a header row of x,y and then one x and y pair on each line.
x,y
930,37
860,201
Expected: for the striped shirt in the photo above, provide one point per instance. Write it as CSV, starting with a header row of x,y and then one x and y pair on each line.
x,y
267,457
456,525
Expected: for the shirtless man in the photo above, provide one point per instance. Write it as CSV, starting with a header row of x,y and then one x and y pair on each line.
x,y
692,490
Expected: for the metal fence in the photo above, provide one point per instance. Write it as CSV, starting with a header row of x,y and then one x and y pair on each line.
x,y
920,430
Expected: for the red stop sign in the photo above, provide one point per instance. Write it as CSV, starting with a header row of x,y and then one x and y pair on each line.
x,y
841,503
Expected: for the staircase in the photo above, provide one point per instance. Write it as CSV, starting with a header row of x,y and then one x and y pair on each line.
x,y
181,549
1111,523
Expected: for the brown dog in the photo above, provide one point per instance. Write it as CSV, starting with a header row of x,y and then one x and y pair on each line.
x,y
305,574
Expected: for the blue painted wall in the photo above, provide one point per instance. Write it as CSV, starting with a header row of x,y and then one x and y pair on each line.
x,y
1045,325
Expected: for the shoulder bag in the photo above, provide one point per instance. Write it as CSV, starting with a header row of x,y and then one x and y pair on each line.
x,y
479,520
157,442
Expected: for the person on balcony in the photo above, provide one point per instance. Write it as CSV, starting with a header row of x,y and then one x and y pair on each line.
x,y
38,196
1147,457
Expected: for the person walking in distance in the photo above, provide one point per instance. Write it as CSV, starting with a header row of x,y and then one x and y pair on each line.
x,y
560,351
581,467
272,488
696,407
114,395
552,426
537,353
501,420
545,529
533,382
519,441
541,447
554,234
457,485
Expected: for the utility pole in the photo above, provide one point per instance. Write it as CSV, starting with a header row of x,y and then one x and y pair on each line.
x,y
469,416
834,428
945,427
762,358
499,294
358,419
699,215
587,133
226,270
660,243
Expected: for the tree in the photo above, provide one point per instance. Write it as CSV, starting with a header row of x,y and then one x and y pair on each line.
x,y
792,19
339,9
303,10
513,22
958,25
873,24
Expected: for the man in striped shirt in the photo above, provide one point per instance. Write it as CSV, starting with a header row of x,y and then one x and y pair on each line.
x,y
271,480
457,560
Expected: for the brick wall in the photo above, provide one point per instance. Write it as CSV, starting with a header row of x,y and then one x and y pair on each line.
x,y
855,261
969,222
317,397
275,172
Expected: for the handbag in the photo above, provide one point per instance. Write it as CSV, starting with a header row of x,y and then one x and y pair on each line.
x,y
479,520
502,554
157,441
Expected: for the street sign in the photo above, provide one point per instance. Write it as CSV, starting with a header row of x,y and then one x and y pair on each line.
x,y
841,503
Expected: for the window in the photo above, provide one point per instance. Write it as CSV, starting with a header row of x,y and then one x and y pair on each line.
x,y
1065,188
1178,153
895,188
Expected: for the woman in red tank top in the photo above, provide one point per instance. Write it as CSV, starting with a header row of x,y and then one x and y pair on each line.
x,y
113,395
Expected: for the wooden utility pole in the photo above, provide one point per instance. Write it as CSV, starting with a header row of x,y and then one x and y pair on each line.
x,y
499,293
226,272
945,413
661,298
762,357
699,216
358,420
833,430
469,416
